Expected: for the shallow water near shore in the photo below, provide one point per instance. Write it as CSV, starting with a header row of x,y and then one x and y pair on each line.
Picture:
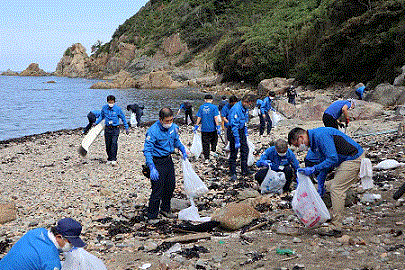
x,y
34,105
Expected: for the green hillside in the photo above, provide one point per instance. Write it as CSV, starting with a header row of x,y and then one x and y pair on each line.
x,y
316,41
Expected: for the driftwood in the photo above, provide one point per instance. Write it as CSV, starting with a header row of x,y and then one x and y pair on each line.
x,y
188,238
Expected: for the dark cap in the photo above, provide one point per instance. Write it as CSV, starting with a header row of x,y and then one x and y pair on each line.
x,y
208,96
70,229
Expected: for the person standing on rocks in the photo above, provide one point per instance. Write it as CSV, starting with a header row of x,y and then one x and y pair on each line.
x,y
161,139
39,248
264,111
188,112
238,118
259,104
112,113
223,103
92,116
280,159
225,116
291,94
360,88
336,150
335,110
138,111
208,116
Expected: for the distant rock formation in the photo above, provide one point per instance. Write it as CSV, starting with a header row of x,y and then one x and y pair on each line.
x,y
122,80
387,95
33,70
9,72
158,79
277,85
74,62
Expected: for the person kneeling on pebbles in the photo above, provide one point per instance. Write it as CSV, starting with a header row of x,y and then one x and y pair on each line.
x,y
161,139
39,248
280,159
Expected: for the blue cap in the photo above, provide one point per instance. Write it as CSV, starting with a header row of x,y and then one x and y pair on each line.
x,y
70,229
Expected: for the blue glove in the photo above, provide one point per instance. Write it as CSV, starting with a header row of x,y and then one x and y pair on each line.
x,y
263,163
184,153
154,174
306,170
246,131
237,143
274,167
219,130
195,128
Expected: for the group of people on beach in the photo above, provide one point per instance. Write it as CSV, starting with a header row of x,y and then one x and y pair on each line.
x,y
328,149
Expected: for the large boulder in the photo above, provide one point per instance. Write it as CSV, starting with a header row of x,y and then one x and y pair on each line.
x,y
285,108
74,62
9,72
33,70
366,110
313,110
158,79
121,80
400,80
387,95
235,215
277,85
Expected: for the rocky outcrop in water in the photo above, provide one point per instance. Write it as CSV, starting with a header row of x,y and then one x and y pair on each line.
x,y
34,70
9,72
74,62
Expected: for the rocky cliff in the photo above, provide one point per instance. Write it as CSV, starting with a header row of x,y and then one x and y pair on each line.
x,y
74,62
34,70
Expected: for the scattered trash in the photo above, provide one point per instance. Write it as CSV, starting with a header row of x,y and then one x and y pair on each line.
x,y
193,252
285,251
191,213
145,266
370,198
388,164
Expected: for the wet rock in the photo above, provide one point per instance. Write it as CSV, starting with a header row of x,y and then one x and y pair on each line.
x,y
235,215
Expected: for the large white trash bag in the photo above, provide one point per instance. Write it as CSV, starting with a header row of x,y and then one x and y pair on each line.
x,y
133,120
275,118
251,157
273,182
193,186
307,204
191,214
388,164
80,259
366,173
196,146
255,112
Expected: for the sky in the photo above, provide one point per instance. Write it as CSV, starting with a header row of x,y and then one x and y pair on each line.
x,y
39,31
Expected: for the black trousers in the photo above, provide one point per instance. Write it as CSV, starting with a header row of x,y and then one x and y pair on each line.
x,y
244,151
209,142
291,100
263,124
188,113
329,121
288,171
111,134
162,189
92,119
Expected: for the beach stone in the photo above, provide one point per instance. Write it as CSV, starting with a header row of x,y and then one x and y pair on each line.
x,y
235,215
8,212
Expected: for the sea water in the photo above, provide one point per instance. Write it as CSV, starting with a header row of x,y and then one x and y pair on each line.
x,y
34,105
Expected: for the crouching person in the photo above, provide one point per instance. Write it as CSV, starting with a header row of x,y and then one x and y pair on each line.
x,y
279,158
161,139
39,248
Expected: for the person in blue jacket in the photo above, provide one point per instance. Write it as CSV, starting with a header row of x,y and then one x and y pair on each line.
x,y
161,139
92,116
187,107
280,159
39,248
112,113
208,116
238,118
225,116
335,110
259,104
222,103
360,89
264,111
138,111
336,150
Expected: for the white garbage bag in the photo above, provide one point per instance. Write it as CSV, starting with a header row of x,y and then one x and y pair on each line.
x,y
133,120
273,182
80,259
307,204
276,118
255,112
388,164
193,185
196,146
251,157
366,173
191,214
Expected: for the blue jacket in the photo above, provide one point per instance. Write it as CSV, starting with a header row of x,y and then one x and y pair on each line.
x,y
112,115
332,147
276,160
225,113
207,113
161,142
34,251
360,91
266,106
222,104
238,117
259,103
97,113
335,109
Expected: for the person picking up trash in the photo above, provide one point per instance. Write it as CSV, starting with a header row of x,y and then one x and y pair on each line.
x,y
336,150
291,94
359,90
188,112
208,116
92,116
238,118
138,111
264,111
225,116
112,113
280,159
161,139
335,110
39,248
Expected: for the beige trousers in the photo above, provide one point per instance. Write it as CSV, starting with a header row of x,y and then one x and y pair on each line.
x,y
346,175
